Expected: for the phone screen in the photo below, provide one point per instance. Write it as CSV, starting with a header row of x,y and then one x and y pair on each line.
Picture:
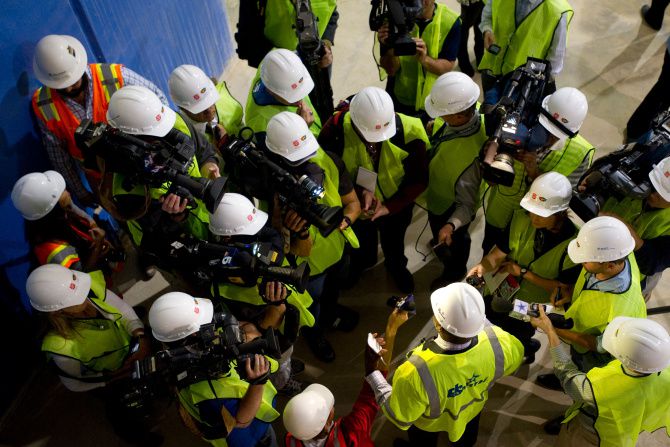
x,y
374,345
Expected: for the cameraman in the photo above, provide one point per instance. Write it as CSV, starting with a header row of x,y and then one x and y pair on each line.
x,y
436,33
156,211
225,409
296,149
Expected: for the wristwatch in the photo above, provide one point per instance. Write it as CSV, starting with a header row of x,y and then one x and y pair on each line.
x,y
523,272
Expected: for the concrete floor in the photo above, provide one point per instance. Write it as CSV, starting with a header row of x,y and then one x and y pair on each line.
x,y
611,56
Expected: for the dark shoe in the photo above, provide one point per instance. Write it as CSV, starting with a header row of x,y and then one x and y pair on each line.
x,y
549,381
345,320
297,366
403,279
530,350
318,344
444,280
467,69
292,388
399,442
654,24
553,426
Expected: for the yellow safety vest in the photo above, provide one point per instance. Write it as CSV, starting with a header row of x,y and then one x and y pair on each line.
x,y
228,111
101,345
438,391
448,160
531,38
502,201
391,171
627,405
413,82
327,251
280,21
522,251
592,310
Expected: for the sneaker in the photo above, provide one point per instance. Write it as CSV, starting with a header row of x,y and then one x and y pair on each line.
x,y
553,426
346,319
549,381
320,347
297,366
292,388
530,350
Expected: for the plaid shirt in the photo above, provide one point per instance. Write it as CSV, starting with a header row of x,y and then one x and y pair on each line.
x,y
57,149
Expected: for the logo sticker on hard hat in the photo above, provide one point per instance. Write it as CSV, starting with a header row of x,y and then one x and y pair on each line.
x,y
73,286
250,217
666,174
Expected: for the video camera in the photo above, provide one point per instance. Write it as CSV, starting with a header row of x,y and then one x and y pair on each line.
x,y
238,263
512,122
623,173
400,16
261,177
166,159
219,343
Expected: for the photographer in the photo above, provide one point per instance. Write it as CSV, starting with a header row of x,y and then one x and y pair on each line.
x,y
296,149
225,409
437,34
93,340
533,249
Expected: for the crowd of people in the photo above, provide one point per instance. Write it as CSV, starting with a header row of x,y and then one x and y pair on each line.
x,y
381,153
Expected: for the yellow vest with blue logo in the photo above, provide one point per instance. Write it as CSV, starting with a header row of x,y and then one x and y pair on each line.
x,y
229,112
531,38
448,160
280,21
326,251
502,201
198,218
101,345
627,405
391,171
413,82
522,251
438,391
592,310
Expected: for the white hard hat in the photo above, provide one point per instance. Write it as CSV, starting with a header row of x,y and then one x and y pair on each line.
x,y
191,89
550,193
660,178
52,287
373,115
236,215
459,308
287,135
306,414
37,193
138,111
452,92
568,106
601,239
177,315
59,61
639,344
284,74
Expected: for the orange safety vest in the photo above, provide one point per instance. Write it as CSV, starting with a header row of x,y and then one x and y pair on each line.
x,y
57,252
50,107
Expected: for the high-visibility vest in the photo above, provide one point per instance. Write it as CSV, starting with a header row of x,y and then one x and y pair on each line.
x,y
101,345
228,386
413,82
335,438
280,18
391,171
448,160
197,222
627,405
58,252
592,310
257,116
229,112
522,251
530,38
447,390
50,107
502,201
327,251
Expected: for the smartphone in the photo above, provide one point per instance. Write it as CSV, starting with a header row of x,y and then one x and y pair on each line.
x,y
493,49
374,345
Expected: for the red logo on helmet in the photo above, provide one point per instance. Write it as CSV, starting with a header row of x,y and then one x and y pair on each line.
x,y
158,117
534,196
667,174
196,310
196,96
294,86
378,126
556,116
296,143
73,286
250,217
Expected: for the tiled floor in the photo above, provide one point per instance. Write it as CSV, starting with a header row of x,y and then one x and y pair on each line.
x,y
611,56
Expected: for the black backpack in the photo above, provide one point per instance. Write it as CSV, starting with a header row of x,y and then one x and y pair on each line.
x,y
252,45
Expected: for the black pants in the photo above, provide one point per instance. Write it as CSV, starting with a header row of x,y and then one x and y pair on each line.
x,y
471,15
453,257
491,236
654,15
420,438
520,329
657,99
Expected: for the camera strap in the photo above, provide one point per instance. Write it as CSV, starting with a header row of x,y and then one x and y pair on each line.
x,y
557,123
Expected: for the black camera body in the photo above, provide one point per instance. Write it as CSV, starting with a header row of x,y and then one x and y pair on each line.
x,y
167,159
623,173
258,176
401,16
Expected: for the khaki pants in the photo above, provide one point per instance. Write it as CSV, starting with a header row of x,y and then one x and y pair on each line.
x,y
574,433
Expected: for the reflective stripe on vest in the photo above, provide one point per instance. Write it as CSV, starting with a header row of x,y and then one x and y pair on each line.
x,y
57,252
412,82
280,21
592,310
50,107
229,111
522,251
502,201
531,38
